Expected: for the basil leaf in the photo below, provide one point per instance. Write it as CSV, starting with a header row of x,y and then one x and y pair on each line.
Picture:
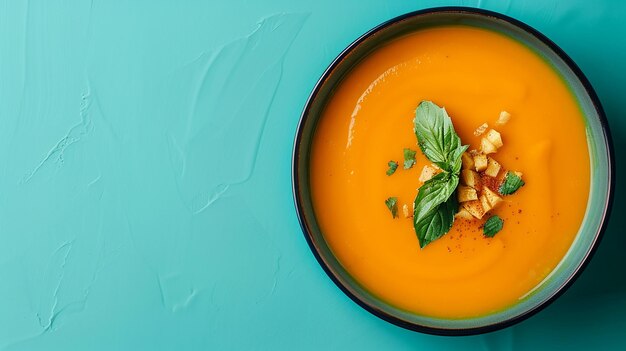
x,y
392,205
436,136
511,183
435,203
409,158
435,207
456,159
393,165
493,225
437,223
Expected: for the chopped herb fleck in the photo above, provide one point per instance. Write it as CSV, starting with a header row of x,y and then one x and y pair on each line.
x,y
393,165
493,225
392,205
409,158
511,183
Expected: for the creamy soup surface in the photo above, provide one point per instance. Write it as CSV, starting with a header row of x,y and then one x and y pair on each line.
x,y
475,74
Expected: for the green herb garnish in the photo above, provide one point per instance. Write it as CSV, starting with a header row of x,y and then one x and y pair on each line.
x,y
511,183
392,205
435,204
437,138
409,158
493,225
435,207
393,165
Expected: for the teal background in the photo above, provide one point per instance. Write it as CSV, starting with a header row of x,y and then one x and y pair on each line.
x,y
145,185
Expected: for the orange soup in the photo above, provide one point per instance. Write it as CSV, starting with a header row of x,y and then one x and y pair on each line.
x,y
475,74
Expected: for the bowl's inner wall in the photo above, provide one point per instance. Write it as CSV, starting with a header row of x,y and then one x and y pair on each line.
x,y
599,155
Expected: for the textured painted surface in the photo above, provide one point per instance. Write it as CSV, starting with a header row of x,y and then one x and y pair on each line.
x,y
145,198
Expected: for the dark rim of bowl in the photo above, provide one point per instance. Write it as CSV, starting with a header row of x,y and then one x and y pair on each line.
x,y
607,206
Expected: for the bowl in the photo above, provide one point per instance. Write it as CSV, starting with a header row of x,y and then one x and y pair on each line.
x,y
600,153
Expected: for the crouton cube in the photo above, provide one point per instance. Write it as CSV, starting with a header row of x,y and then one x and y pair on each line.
x,y
495,138
503,118
467,160
464,214
493,167
492,197
484,202
466,193
475,208
427,173
481,129
470,178
486,147
480,162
